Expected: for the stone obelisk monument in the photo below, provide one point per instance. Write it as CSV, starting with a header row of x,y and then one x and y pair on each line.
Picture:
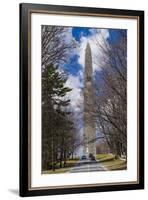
x,y
89,124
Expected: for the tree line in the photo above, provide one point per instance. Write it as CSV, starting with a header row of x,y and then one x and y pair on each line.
x,y
58,131
111,92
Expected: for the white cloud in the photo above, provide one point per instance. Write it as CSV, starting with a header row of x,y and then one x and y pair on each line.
x,y
76,82
73,81
68,34
98,35
68,37
75,95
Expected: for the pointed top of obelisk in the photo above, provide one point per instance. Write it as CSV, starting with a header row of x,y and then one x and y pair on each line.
x,y
88,45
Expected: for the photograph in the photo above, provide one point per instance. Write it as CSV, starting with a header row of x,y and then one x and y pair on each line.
x,y
81,99
84,99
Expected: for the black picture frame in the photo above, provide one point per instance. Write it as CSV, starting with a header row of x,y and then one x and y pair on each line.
x,y
25,12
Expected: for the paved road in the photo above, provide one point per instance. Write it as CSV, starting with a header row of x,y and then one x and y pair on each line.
x,y
87,166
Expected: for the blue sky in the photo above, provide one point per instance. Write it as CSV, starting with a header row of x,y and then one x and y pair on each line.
x,y
78,32
76,63
114,35
73,66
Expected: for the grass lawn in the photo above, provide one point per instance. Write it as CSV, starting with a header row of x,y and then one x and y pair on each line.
x,y
104,157
57,171
69,163
110,163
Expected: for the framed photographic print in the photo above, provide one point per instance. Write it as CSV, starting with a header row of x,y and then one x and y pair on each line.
x,y
81,99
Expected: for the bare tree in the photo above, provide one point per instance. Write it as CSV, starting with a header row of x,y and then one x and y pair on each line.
x,y
111,92
54,46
